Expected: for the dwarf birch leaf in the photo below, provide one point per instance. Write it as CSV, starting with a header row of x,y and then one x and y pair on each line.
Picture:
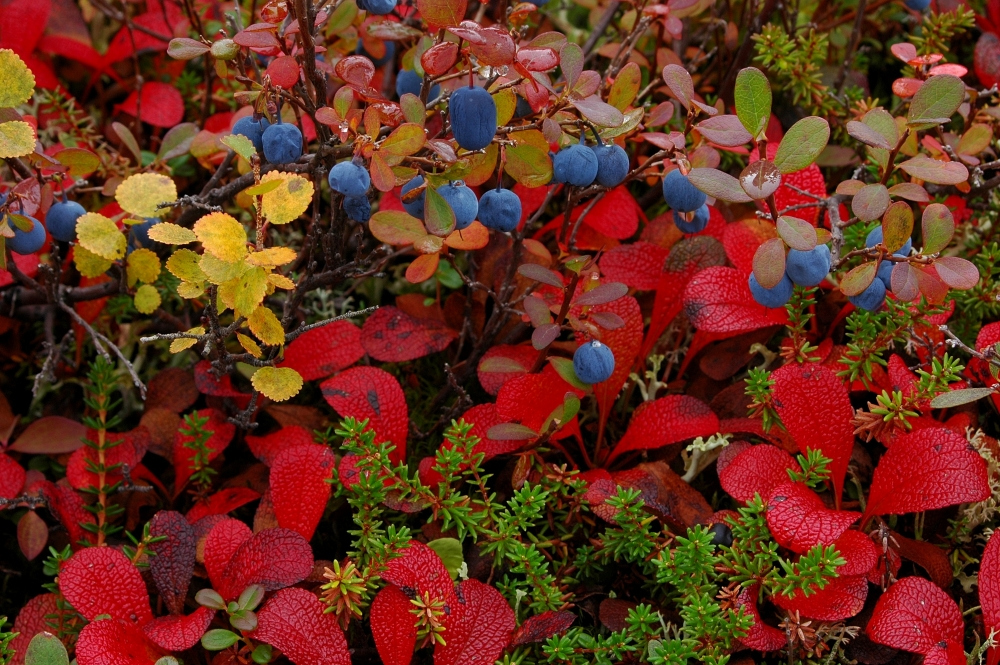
x,y
17,138
139,194
100,236
171,234
222,236
17,83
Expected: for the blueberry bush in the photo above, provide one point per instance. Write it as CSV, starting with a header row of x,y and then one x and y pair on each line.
x,y
563,332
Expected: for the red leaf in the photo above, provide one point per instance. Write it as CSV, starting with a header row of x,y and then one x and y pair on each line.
x,y
222,433
761,636
915,615
421,570
50,434
32,534
31,620
293,620
299,487
267,447
815,408
178,633
161,104
989,588
927,469
478,627
391,335
670,419
173,564
208,384
318,353
532,198
11,477
625,343
531,399
222,502
841,598
483,417
541,627
166,21
101,580
858,551
67,507
22,23
494,373
114,642
393,626
637,265
741,240
373,394
273,558
799,519
718,300
130,450
756,470
442,13
220,545
616,215
284,71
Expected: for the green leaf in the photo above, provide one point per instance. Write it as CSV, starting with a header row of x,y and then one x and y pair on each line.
x,y
719,184
797,233
753,100
241,145
218,639
564,368
937,226
45,649
528,164
960,397
626,85
802,144
406,139
450,551
439,218
897,226
936,101
859,278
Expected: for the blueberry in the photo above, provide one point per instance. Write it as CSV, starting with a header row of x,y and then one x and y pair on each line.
x,y
539,3
416,206
377,7
500,209
593,362
721,534
871,298
27,242
808,268
139,233
523,108
875,237
885,274
282,143
252,129
680,194
698,222
917,5
61,219
473,117
555,178
612,164
575,165
771,298
349,178
408,81
358,208
463,203
390,51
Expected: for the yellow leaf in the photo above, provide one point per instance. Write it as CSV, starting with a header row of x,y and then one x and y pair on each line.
x,y
250,291
227,295
171,234
147,299
277,383
272,256
88,263
190,290
266,326
249,345
17,83
222,236
139,194
100,235
288,201
183,264
17,138
179,345
218,271
143,266
280,281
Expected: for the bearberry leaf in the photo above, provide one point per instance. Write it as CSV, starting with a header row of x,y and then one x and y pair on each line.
x,y
916,615
392,335
322,351
179,633
667,420
114,642
638,265
989,584
503,362
625,342
421,569
12,477
273,558
478,628
394,628
300,488
173,565
101,580
222,433
293,620
222,502
541,627
756,470
531,398
841,598
718,300
373,394
799,520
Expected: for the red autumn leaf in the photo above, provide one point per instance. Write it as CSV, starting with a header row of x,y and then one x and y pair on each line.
x,y
666,494
173,564
483,417
667,420
927,469
442,13
741,240
266,448
989,590
273,558
208,384
391,335
11,477
541,627
531,399
616,215
815,408
915,615
928,556
222,433
130,449
979,369
420,569
164,20
613,613
101,580
32,534
161,104
67,507
221,543
532,198
114,642
222,502
756,470
284,71
179,633
373,394
761,636
478,627
293,620
841,598
502,363
625,343
31,620
299,487
600,487
318,353
799,519
858,551
718,300
394,628
637,265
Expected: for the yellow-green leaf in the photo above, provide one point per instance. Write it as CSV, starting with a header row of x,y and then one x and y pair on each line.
x,y
249,345
287,202
100,235
277,383
280,281
190,290
183,264
222,236
171,234
179,345
263,188
241,145
17,138
147,299
250,290
17,83
139,194
88,263
218,271
143,266
272,256
265,325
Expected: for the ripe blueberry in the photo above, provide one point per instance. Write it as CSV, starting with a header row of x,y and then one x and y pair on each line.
x,y
875,237
612,164
917,5
808,268
697,223
575,165
721,534
61,219
522,108
680,194
390,50
377,7
358,208
463,203
473,117
349,178
885,274
593,362
500,209
871,298
416,206
774,297
282,143
252,129
408,81
27,242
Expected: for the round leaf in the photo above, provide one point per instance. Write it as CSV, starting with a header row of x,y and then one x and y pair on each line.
x,y
859,278
769,263
139,194
802,144
938,98
288,200
937,225
101,236
957,272
797,233
870,202
17,83
277,383
718,184
897,226
17,138
760,179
